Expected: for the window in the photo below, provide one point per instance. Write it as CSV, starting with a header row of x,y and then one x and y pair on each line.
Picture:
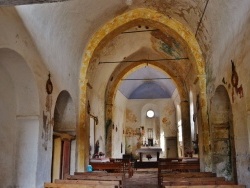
x,y
150,113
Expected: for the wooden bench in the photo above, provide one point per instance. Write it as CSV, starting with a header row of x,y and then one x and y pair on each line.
x,y
90,182
98,176
188,174
127,165
185,175
108,166
98,173
77,185
207,186
178,166
195,181
177,159
170,167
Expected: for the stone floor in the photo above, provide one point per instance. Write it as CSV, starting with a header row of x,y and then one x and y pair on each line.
x,y
146,178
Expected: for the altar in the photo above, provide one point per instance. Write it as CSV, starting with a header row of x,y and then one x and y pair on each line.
x,y
149,150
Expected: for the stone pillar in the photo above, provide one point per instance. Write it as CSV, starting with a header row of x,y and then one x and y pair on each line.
x,y
203,127
108,130
82,133
186,129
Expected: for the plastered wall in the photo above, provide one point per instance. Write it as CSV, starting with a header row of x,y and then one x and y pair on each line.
x,y
118,136
163,125
52,38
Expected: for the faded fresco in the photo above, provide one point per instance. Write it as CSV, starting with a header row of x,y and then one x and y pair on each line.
x,y
48,121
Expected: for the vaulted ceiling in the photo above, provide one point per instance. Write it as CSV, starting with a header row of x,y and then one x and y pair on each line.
x,y
60,32
144,43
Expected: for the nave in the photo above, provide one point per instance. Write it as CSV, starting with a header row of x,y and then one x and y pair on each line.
x,y
170,173
143,178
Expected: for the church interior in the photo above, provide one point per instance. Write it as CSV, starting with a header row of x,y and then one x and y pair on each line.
x,y
84,80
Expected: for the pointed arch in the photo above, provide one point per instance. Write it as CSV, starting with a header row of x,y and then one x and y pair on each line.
x,y
113,28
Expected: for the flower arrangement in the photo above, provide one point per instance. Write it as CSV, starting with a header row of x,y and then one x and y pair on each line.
x,y
101,153
148,156
188,153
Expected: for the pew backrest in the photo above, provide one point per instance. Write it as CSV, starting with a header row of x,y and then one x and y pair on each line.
x,y
70,185
208,186
108,166
90,182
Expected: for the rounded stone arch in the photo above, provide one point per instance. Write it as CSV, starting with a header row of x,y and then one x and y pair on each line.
x,y
112,29
222,135
65,113
19,116
64,131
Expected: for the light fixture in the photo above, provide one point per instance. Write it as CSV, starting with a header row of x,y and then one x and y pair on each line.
x,y
150,113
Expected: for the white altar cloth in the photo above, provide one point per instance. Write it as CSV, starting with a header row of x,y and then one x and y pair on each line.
x,y
142,150
149,149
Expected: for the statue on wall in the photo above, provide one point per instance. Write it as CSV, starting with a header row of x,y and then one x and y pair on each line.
x,y
96,152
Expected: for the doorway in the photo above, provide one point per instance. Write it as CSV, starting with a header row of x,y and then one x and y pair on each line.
x,y
64,133
222,135
171,147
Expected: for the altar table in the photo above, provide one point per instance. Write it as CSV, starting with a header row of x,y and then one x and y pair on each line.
x,y
149,150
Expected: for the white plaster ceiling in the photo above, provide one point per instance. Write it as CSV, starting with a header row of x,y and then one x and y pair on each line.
x,y
147,83
148,44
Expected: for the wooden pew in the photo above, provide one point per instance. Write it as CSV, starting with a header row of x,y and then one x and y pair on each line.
x,y
194,181
207,186
170,167
127,165
71,185
178,159
188,174
108,166
178,166
90,182
98,173
185,175
175,159
98,176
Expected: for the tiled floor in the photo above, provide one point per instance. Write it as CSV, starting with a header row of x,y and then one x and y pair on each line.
x,y
142,178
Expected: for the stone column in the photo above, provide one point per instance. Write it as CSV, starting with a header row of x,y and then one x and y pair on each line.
x,y
186,129
203,127
82,133
108,130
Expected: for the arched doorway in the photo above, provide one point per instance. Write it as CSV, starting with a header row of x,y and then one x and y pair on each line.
x,y
222,135
19,122
64,144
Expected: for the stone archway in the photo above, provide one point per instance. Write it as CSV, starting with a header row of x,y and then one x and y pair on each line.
x,y
19,121
222,135
113,28
128,68
64,136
